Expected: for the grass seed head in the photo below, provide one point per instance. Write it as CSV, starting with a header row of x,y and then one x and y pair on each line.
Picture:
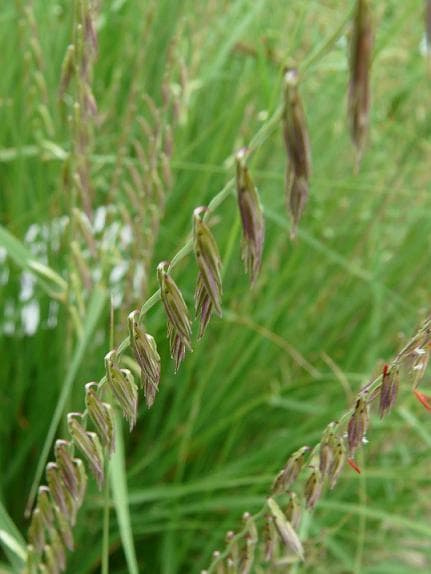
x,y
338,461
208,291
102,416
64,529
358,424
298,149
360,63
285,529
178,319
293,511
313,488
388,390
58,549
252,220
52,565
89,444
145,350
58,490
44,504
36,531
287,476
67,466
123,387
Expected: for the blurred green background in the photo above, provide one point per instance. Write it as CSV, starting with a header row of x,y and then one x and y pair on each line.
x,y
288,355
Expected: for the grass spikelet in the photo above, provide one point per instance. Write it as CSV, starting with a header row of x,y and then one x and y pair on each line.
x,y
285,529
290,472
388,390
252,220
293,511
89,444
123,387
208,285
45,507
359,86
357,426
298,150
66,465
178,319
36,531
313,488
102,416
338,461
145,350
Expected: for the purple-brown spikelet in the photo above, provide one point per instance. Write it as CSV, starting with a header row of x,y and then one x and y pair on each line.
x,y
101,415
298,150
145,350
252,220
388,389
66,465
177,314
290,472
313,488
359,86
123,387
358,424
208,284
89,444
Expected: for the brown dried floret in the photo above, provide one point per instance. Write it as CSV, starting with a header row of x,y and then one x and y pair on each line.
x,y
253,223
145,350
360,63
290,472
297,146
178,319
209,284
358,424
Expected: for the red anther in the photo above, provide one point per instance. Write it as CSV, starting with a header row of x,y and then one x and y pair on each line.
x,y
423,399
385,370
353,464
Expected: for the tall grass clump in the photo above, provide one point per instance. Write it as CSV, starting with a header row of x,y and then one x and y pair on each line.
x,y
185,388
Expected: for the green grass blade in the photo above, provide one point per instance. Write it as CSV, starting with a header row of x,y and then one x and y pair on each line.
x,y
11,540
121,499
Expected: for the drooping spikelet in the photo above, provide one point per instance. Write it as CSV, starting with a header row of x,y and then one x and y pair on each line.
x,y
253,223
101,415
297,144
358,424
388,389
209,284
123,387
359,86
290,472
178,319
89,444
285,529
146,355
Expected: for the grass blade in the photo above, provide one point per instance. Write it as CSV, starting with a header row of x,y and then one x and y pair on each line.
x,y
121,499
11,540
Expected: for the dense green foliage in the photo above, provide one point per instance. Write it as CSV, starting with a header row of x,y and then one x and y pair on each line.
x,y
288,355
